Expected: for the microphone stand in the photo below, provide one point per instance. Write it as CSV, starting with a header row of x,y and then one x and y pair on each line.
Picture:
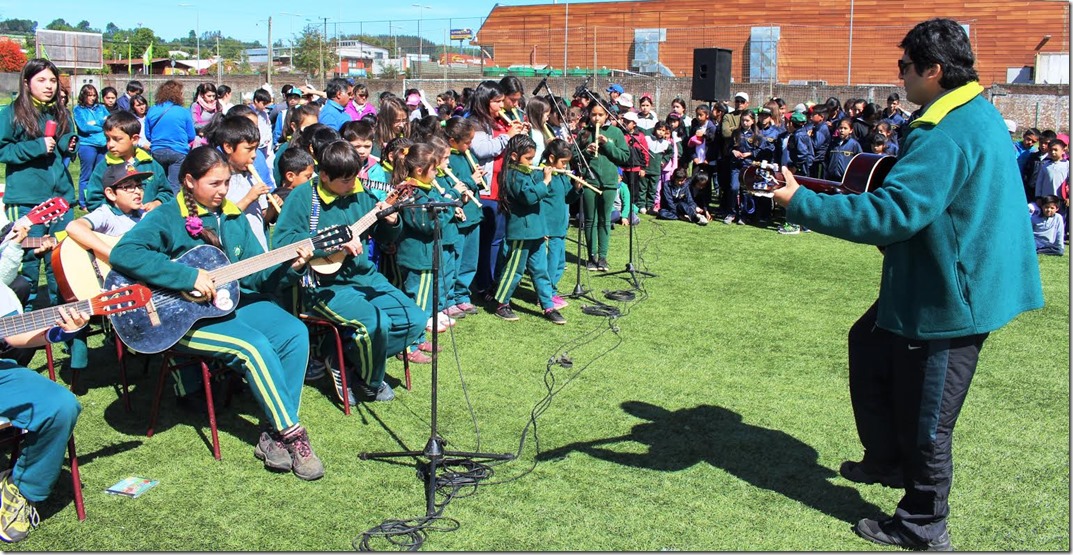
x,y
631,182
579,291
434,450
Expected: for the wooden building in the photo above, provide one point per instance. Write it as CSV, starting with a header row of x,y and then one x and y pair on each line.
x,y
787,41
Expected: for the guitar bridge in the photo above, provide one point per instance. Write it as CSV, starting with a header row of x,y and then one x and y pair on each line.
x,y
154,316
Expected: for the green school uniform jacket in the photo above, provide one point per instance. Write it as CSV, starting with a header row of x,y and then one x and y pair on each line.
x,y
156,188
555,207
33,176
445,189
145,252
524,189
462,170
959,256
613,154
415,246
293,226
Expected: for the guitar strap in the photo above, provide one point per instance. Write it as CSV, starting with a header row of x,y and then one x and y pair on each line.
x,y
309,278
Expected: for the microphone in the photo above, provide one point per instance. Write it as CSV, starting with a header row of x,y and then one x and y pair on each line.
x,y
423,205
50,128
543,82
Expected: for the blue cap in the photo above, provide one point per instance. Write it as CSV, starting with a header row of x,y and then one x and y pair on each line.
x,y
616,88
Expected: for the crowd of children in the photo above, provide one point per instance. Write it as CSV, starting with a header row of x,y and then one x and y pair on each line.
x,y
494,176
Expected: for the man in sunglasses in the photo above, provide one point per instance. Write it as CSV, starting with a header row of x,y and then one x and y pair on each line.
x,y
958,264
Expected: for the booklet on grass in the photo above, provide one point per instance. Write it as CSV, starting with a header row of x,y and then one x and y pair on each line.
x,y
132,487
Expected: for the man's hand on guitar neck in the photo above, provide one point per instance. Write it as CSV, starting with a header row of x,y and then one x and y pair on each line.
x,y
784,194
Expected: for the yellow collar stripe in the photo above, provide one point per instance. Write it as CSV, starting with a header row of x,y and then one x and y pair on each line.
x,y
327,196
229,208
947,103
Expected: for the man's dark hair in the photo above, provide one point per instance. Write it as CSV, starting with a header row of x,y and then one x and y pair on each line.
x,y
941,42
135,87
335,86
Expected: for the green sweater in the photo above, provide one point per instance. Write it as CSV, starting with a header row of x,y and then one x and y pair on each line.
x,y
959,256
293,226
415,246
613,153
555,207
145,252
156,188
462,170
524,189
32,175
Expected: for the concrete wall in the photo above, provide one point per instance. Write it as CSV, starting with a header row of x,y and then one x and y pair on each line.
x,y
1040,106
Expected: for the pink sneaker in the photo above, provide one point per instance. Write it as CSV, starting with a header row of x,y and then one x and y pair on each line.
x,y
455,312
560,303
468,308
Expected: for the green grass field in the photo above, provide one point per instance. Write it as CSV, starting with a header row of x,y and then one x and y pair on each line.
x,y
711,416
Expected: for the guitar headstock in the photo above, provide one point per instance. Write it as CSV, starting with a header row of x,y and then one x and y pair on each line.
x,y
332,237
47,211
120,300
403,192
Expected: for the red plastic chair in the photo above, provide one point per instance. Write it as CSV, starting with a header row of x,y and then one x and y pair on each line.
x,y
171,362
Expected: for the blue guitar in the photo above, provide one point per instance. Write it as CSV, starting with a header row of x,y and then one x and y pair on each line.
x,y
163,321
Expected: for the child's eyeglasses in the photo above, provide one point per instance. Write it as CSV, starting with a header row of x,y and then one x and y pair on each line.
x,y
131,187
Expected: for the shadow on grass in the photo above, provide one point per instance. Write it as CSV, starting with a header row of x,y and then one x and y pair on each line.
x,y
765,458
63,493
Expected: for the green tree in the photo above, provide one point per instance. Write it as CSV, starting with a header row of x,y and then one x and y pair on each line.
x,y
20,26
60,24
308,49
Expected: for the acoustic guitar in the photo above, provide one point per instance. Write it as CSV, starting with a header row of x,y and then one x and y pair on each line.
x,y
43,213
866,171
331,264
79,271
116,301
165,320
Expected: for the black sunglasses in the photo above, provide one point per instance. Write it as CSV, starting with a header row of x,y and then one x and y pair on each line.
x,y
902,66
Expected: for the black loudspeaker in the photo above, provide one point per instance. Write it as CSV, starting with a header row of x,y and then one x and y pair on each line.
x,y
711,74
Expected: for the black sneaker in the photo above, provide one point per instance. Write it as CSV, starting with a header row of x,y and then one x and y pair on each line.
x,y
863,473
602,265
591,265
554,316
886,532
505,312
384,393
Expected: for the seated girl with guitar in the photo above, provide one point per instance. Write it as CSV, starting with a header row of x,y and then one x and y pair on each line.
x,y
381,320
268,344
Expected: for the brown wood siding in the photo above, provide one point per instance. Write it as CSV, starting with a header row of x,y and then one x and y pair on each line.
x,y
814,42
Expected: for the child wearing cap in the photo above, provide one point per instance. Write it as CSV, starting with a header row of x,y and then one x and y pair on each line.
x,y
614,92
123,187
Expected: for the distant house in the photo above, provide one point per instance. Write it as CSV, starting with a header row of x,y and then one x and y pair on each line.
x,y
159,66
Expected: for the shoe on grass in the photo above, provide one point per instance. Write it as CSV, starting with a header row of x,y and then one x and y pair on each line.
x,y
887,532
426,346
468,308
314,370
383,393
416,357
304,462
554,317
337,379
601,265
272,451
863,473
591,265
559,302
17,515
506,313
455,312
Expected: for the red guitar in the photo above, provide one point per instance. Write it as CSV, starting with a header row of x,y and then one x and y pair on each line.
x,y
865,172
43,213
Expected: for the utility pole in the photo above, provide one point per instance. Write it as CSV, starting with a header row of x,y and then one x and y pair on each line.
x,y
323,38
219,62
269,52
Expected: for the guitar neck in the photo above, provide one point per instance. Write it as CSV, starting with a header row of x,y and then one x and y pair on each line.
x,y
39,319
34,242
819,185
243,268
363,223
377,185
